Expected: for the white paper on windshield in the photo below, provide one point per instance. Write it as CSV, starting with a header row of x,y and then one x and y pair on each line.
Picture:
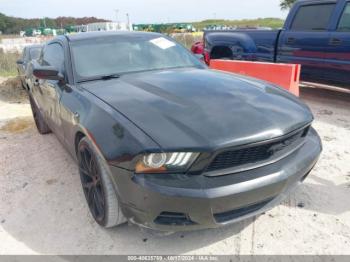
x,y
162,43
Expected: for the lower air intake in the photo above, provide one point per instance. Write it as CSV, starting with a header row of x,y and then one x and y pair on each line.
x,y
176,219
236,213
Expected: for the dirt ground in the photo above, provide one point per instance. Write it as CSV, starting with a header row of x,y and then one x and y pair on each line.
x,y
43,210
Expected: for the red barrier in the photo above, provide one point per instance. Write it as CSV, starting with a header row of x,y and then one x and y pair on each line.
x,y
283,75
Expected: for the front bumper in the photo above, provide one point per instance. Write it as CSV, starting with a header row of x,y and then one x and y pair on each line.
x,y
178,202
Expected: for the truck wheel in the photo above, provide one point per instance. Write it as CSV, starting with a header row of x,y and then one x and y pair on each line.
x,y
98,187
40,123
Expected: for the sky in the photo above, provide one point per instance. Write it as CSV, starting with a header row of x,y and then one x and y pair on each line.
x,y
142,11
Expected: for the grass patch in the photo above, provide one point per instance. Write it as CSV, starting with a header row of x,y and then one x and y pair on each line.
x,y
260,22
17,125
9,36
11,91
187,39
8,66
8,74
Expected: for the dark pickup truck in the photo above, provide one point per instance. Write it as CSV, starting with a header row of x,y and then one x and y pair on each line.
x,y
316,35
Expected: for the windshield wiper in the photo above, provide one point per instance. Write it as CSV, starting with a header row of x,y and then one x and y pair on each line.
x,y
103,77
111,76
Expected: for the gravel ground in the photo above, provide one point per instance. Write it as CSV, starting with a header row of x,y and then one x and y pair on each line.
x,y
43,210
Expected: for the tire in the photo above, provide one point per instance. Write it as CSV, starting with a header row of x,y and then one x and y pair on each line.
x,y
23,86
40,123
97,186
20,79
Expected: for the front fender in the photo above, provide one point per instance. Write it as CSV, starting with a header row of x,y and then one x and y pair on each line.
x,y
241,44
116,138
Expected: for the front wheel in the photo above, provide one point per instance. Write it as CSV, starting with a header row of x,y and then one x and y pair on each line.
x,y
98,187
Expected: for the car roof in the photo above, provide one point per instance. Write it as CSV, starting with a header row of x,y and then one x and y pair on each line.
x,y
92,35
28,47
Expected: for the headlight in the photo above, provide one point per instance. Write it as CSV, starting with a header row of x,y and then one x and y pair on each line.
x,y
165,162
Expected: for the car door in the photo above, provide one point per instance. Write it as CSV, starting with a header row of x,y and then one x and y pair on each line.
x,y
50,91
338,56
305,39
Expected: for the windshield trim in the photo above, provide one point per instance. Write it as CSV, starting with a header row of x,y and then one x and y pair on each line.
x,y
101,77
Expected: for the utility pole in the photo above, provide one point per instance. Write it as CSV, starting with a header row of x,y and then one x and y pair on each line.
x,y
128,21
116,17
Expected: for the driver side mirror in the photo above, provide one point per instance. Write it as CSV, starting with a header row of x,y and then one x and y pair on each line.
x,y
19,62
47,72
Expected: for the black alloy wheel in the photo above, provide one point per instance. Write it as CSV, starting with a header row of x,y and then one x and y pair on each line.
x,y
92,183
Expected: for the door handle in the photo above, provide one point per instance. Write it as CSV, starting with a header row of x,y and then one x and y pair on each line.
x,y
335,41
291,40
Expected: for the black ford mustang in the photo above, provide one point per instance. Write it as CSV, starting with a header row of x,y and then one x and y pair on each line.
x,y
161,140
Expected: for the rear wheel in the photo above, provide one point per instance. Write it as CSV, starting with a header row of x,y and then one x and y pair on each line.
x,y
97,185
40,123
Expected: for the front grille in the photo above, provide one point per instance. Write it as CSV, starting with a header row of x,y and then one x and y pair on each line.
x,y
239,212
256,153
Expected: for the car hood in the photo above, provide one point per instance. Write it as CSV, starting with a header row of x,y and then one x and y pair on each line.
x,y
202,109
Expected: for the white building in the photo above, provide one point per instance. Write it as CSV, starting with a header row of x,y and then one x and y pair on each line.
x,y
108,26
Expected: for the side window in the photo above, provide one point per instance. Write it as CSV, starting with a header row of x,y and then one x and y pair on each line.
x,y
26,55
313,17
344,23
34,53
53,55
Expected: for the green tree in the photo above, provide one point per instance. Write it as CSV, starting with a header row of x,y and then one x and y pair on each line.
x,y
3,22
13,25
286,4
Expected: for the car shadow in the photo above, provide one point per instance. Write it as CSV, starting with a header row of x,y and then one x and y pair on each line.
x,y
43,209
154,242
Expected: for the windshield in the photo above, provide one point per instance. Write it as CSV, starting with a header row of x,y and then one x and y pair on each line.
x,y
128,53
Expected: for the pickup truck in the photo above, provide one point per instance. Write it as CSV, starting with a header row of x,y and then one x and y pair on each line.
x,y
316,35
